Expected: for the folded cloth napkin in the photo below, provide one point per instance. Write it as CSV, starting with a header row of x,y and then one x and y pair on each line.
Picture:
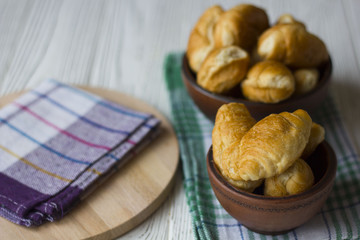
x,y
56,141
339,218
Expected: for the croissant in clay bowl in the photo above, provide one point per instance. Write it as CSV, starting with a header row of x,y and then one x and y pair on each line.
x,y
274,174
209,102
276,215
234,55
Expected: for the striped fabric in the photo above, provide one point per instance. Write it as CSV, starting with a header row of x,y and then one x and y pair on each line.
x,y
55,142
339,218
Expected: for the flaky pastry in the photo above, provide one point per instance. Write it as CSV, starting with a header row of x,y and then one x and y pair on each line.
x,y
201,40
289,19
292,45
240,26
268,82
306,80
317,135
223,68
270,147
232,121
296,179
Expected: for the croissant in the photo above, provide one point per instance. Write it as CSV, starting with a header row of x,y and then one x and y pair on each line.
x,y
292,45
201,40
317,135
248,185
240,26
296,179
289,19
232,121
233,112
270,147
268,82
306,80
223,68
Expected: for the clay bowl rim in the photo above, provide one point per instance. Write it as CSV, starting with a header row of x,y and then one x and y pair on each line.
x,y
327,178
325,76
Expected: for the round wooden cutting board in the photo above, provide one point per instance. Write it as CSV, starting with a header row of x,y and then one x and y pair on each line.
x,y
124,200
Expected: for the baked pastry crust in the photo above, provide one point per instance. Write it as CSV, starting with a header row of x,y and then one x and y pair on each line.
x,y
232,121
317,135
289,19
268,82
296,179
292,45
240,26
306,80
270,147
223,68
247,185
201,40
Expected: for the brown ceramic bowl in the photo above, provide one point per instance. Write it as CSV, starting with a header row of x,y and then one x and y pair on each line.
x,y
209,102
277,215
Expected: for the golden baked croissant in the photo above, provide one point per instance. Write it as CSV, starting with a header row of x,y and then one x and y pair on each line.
x,y
306,80
232,112
201,40
223,68
270,147
232,121
292,45
317,135
240,26
248,185
296,179
289,19
268,82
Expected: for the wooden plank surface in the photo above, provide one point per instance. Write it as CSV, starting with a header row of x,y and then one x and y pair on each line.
x,y
121,45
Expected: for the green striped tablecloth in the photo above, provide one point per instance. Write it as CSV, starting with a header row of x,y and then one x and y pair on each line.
x,y
339,218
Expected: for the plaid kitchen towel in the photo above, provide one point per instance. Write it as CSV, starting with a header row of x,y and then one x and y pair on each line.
x,y
339,218
55,142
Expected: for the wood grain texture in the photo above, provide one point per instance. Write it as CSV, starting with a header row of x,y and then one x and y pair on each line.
x,y
124,200
121,45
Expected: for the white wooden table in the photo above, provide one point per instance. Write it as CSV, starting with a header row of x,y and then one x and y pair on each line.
x,y
121,45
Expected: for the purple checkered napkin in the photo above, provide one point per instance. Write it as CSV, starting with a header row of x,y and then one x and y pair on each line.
x,y
55,142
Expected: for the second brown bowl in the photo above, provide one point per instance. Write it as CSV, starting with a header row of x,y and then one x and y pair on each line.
x,y
209,102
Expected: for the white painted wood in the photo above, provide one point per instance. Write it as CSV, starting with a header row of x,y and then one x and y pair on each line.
x,y
121,45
